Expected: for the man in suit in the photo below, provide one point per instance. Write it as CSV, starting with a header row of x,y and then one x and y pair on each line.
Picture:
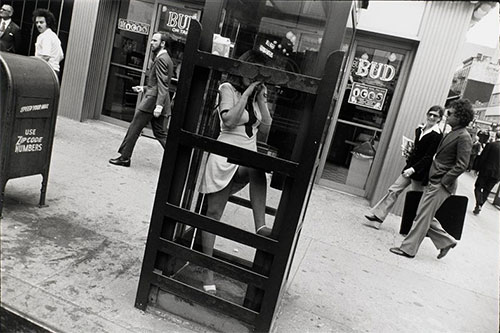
x,y
10,33
488,171
155,106
450,161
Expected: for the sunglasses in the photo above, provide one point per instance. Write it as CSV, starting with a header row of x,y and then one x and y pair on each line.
x,y
435,115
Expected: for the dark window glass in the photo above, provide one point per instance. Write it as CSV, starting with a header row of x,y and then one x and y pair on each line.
x,y
66,15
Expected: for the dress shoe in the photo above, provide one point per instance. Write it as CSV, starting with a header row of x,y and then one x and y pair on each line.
x,y
375,222
120,161
444,250
399,252
476,210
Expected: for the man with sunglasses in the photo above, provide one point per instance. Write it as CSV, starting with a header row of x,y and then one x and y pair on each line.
x,y
450,161
415,173
10,33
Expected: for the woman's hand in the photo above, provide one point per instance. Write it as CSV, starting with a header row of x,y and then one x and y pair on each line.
x,y
262,93
248,92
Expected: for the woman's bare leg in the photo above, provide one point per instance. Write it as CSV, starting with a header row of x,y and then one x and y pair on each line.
x,y
216,203
258,196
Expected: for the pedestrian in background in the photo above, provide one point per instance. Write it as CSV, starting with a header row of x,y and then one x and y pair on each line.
x,y
476,149
47,46
488,171
10,33
415,173
450,161
155,106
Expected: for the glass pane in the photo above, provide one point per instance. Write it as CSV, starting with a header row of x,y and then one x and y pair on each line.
x,y
289,110
289,33
120,100
373,77
127,58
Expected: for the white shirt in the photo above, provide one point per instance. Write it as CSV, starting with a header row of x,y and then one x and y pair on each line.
x,y
7,22
434,128
48,44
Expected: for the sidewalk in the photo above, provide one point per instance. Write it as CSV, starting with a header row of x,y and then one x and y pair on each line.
x,y
74,266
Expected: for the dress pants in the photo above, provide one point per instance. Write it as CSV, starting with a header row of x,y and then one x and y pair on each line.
x,y
425,223
138,123
482,188
384,206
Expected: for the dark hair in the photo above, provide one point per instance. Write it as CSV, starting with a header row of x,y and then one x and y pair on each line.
x,y
437,108
164,37
463,111
251,56
49,17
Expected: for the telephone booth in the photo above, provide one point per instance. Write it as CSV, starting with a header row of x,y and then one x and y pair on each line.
x,y
304,46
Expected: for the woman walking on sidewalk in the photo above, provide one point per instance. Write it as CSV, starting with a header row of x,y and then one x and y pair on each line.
x,y
416,171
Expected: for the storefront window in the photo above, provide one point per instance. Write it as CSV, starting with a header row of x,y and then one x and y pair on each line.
x,y
127,58
366,103
288,32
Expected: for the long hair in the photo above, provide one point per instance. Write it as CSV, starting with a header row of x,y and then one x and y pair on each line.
x,y
249,56
49,17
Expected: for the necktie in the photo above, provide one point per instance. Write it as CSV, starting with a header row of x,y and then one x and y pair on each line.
x,y
251,117
2,28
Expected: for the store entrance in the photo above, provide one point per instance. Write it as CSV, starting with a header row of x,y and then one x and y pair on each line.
x,y
361,119
131,56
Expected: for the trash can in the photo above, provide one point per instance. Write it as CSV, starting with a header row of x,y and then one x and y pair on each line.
x,y
361,164
358,170
29,94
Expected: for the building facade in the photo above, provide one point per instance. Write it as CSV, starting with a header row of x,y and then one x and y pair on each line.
x,y
398,65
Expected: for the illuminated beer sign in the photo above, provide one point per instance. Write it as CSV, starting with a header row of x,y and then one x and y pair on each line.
x,y
375,70
176,20
133,26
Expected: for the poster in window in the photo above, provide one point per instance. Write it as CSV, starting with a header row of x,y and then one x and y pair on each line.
x,y
367,95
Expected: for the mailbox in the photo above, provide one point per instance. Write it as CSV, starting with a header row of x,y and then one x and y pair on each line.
x,y
29,94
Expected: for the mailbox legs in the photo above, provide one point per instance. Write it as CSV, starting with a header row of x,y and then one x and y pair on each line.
x,y
43,190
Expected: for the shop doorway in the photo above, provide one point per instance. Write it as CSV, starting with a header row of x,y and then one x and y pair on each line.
x,y
131,56
368,102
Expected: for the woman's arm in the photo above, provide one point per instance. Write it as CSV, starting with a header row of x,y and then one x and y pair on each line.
x,y
262,103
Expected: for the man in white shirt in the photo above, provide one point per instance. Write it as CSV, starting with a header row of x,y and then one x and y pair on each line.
x,y
47,46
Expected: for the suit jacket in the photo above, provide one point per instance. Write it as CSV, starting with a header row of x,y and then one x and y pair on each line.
x,y
158,80
451,159
11,39
423,152
489,161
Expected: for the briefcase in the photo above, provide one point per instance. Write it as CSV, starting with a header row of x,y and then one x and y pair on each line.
x,y
451,214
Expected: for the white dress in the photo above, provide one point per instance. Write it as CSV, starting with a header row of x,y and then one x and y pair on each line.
x,y
218,171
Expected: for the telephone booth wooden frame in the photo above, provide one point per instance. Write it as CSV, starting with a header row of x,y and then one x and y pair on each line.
x,y
274,255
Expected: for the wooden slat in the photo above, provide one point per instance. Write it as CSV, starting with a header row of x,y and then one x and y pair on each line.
x,y
210,301
239,155
247,203
225,268
279,77
228,231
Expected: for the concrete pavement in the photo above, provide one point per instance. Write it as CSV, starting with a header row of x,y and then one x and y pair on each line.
x,y
74,266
